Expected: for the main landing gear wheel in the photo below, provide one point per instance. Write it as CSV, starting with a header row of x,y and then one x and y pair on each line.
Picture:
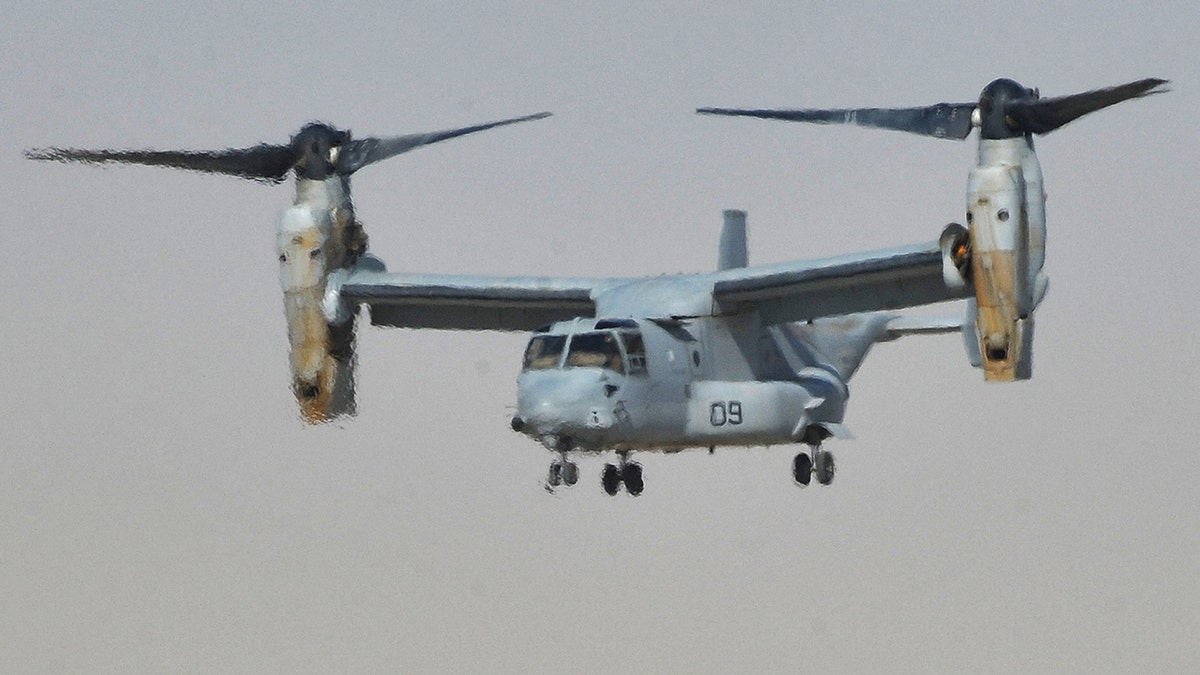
x,y
629,473
825,467
820,464
802,469
611,478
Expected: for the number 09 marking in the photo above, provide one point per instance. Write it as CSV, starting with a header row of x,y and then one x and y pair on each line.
x,y
721,413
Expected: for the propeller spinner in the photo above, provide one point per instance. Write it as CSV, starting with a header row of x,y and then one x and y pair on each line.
x,y
317,152
1005,109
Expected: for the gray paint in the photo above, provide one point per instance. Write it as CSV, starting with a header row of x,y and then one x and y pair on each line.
x,y
164,510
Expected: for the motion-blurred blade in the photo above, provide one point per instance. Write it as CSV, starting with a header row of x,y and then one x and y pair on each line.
x,y
261,162
366,151
944,120
1042,116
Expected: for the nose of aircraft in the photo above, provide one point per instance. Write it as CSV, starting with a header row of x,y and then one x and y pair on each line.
x,y
557,404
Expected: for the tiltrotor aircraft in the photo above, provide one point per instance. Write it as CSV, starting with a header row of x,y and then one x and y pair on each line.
x,y
741,356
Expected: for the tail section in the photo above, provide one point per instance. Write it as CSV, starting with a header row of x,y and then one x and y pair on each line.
x,y
899,326
838,344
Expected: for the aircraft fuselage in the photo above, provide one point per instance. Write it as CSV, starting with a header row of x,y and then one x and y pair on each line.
x,y
625,385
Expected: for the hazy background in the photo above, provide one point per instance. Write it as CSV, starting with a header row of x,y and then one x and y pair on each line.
x,y
162,508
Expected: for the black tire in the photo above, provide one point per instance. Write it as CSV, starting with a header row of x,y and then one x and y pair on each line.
x,y
802,469
554,479
632,475
825,476
611,478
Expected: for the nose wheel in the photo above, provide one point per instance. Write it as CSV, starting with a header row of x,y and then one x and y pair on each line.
x,y
562,472
629,473
821,465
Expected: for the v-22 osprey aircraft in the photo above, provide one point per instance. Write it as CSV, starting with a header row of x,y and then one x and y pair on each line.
x,y
741,356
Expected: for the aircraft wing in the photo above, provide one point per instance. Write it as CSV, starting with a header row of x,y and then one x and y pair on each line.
x,y
463,302
783,292
799,291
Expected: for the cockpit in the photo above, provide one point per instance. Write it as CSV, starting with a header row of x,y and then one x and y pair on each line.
x,y
612,344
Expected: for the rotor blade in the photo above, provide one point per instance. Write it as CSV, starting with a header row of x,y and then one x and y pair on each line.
x,y
261,162
1045,115
370,150
944,120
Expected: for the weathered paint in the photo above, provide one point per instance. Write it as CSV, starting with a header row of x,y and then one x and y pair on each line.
x,y
1006,221
311,243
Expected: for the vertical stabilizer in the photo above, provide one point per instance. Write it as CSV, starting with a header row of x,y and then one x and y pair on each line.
x,y
733,251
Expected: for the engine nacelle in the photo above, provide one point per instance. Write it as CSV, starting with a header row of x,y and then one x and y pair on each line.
x,y
1006,233
322,353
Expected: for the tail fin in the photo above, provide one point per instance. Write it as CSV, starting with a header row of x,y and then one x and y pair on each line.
x,y
733,251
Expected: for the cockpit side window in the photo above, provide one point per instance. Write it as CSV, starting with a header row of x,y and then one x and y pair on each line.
x,y
635,351
544,352
595,350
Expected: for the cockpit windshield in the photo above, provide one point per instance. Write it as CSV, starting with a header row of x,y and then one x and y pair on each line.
x,y
544,352
595,350
619,351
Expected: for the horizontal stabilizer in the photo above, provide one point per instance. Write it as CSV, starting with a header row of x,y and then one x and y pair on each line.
x,y
900,326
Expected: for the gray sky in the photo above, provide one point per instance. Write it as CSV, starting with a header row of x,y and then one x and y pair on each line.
x,y
163,509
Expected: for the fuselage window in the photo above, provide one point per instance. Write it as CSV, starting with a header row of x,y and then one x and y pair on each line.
x,y
544,352
595,350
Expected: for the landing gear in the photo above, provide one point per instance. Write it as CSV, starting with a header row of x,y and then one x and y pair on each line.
x,y
562,472
821,463
802,469
824,466
629,473
611,479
